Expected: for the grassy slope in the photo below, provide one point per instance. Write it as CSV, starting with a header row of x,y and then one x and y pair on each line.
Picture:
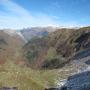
x,y
25,78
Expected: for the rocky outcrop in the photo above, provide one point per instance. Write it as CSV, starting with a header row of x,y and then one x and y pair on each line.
x,y
79,81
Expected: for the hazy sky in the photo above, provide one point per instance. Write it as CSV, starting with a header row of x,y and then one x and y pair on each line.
x,y
27,13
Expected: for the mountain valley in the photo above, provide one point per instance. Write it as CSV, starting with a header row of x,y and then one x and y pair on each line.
x,y
43,61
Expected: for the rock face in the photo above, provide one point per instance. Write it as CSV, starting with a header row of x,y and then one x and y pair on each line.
x,y
79,81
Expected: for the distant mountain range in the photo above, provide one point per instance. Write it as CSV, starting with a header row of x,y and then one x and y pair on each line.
x,y
29,33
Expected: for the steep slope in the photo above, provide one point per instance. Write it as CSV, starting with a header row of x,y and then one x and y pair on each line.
x,y
3,47
67,42
60,47
9,45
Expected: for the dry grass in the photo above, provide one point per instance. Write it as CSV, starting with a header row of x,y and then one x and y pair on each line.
x,y
25,78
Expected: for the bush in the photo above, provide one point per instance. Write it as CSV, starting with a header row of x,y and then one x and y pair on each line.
x,y
55,62
31,55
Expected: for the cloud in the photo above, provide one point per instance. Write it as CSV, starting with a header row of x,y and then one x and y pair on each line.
x,y
14,8
15,16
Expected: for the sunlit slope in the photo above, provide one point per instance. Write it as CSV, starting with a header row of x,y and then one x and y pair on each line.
x,y
10,47
12,75
22,78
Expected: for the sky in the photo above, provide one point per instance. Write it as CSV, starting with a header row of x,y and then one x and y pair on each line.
x,y
18,14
